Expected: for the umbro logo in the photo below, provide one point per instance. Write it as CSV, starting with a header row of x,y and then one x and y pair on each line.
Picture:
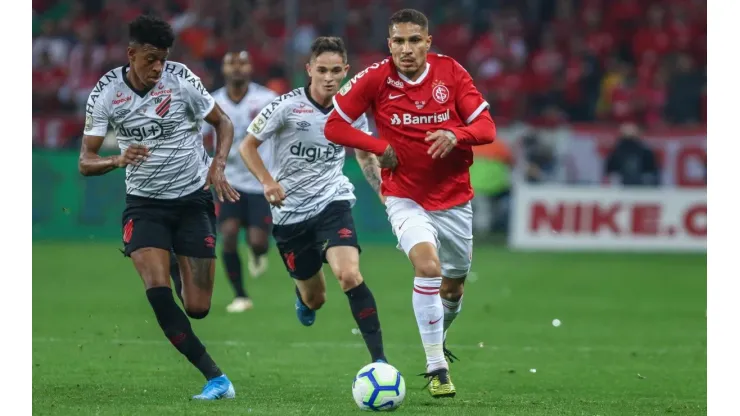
x,y
303,125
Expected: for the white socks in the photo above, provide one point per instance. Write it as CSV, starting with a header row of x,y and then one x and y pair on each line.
x,y
451,308
430,317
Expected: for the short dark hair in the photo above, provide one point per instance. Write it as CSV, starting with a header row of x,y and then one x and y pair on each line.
x,y
328,44
148,29
410,16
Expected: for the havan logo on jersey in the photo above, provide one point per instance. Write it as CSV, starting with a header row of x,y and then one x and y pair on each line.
x,y
187,76
270,108
406,118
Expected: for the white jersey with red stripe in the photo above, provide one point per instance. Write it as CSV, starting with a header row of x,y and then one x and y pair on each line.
x,y
167,119
307,165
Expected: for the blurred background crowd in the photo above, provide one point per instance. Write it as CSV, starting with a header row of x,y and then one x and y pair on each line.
x,y
621,81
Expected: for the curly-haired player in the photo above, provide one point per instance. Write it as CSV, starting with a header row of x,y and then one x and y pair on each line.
x,y
156,108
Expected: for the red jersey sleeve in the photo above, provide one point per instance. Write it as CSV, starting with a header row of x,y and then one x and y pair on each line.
x,y
351,102
472,108
468,100
357,95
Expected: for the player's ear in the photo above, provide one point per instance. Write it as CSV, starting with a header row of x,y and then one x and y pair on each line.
x,y
308,69
131,53
429,42
346,69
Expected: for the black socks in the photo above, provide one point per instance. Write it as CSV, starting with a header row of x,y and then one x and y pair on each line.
x,y
177,329
362,303
233,265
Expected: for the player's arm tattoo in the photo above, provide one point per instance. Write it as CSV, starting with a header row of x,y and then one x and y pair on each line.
x,y
370,168
202,270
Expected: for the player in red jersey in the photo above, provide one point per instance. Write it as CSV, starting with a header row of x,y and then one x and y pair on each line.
x,y
428,114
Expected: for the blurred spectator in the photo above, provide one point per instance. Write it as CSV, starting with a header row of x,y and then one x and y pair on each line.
x,y
536,61
49,43
48,77
490,176
631,162
540,163
684,92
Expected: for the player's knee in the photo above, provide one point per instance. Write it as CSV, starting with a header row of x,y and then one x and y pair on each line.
x,y
349,278
451,290
229,235
315,300
197,313
259,248
429,267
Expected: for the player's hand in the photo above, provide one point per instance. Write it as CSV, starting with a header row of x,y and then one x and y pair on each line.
x,y
443,143
388,159
135,154
274,193
217,178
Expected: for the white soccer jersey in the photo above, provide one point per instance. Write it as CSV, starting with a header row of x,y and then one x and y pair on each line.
x,y
166,119
308,167
241,114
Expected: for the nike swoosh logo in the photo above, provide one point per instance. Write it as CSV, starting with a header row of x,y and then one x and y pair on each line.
x,y
393,97
434,322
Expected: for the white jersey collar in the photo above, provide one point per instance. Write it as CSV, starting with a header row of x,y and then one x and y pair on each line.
x,y
419,80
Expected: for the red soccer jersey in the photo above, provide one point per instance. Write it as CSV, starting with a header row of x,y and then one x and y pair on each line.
x,y
443,97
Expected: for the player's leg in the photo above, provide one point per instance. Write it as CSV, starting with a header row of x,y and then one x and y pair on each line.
x,y
311,292
455,227
194,242
230,218
148,240
337,232
259,221
175,275
302,259
417,237
451,292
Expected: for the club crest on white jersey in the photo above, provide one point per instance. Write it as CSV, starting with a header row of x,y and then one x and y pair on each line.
x,y
167,119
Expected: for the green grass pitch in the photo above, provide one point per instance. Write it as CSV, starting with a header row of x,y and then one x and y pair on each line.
x,y
632,339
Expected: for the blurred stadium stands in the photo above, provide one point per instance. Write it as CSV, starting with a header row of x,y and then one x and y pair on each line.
x,y
565,78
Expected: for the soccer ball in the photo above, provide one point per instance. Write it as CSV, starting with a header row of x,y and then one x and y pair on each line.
x,y
378,387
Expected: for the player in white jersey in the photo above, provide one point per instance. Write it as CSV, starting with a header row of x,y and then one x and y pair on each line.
x,y
156,108
242,100
311,197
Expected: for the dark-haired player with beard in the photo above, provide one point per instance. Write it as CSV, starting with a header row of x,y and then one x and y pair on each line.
x,y
310,196
429,115
242,100
156,108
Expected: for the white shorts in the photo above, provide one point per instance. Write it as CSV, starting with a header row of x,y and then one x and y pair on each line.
x,y
450,230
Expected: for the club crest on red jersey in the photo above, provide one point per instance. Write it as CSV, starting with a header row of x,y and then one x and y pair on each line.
x,y
440,93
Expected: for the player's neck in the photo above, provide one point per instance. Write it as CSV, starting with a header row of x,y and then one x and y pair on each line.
x,y
318,98
135,82
237,91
